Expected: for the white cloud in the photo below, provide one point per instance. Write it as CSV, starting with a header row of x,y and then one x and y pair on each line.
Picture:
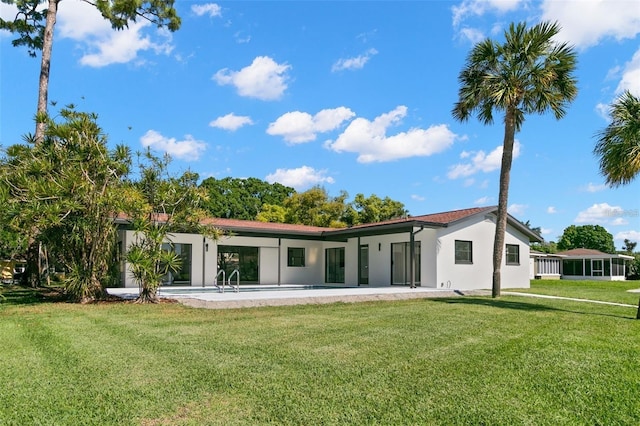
x,y
417,197
599,213
369,139
631,75
187,149
231,122
596,20
354,63
264,79
102,45
241,38
480,162
552,210
300,127
627,235
482,201
301,178
480,7
211,9
473,35
591,187
546,231
517,209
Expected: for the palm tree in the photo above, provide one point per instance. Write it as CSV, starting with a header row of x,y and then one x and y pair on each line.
x,y
618,145
528,73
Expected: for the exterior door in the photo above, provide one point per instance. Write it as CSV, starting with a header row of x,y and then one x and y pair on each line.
x,y
401,263
334,265
363,278
244,259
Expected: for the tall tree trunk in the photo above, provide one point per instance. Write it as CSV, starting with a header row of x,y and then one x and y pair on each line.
x,y
503,199
45,67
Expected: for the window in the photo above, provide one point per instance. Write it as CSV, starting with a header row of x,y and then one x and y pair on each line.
x,y
295,256
572,267
596,268
513,254
183,275
617,267
464,251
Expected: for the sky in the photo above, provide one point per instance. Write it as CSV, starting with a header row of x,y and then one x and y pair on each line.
x,y
352,96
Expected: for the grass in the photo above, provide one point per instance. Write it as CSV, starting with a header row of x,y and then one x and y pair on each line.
x,y
607,291
468,360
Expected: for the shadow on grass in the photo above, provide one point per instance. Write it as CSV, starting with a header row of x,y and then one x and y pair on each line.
x,y
521,306
21,295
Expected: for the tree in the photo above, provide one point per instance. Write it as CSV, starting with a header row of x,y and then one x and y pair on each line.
x,y
593,237
62,193
545,247
242,198
618,146
629,246
35,28
375,209
272,213
157,206
314,207
528,73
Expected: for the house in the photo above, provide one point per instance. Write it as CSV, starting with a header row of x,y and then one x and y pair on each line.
x,y
587,264
545,266
443,250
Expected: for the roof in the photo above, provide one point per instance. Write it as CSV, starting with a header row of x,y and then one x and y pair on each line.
x,y
583,252
251,225
405,224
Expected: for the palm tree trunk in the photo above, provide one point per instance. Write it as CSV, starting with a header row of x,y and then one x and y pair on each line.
x,y
503,196
45,66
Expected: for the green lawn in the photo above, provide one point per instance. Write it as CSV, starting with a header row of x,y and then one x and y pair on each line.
x,y
469,360
608,291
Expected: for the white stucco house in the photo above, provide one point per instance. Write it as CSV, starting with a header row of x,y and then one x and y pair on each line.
x,y
443,250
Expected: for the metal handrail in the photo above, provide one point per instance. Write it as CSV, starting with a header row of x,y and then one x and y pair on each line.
x,y
235,272
221,271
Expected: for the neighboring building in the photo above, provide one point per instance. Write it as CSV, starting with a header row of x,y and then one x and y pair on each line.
x,y
545,266
443,250
587,264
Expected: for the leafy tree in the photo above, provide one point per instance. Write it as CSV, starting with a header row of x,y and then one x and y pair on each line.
x,y
528,73
535,229
545,247
593,237
34,27
618,146
242,198
159,205
314,207
629,246
375,209
633,271
63,193
272,213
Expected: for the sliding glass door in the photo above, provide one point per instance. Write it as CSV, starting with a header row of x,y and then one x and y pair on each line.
x,y
244,259
401,263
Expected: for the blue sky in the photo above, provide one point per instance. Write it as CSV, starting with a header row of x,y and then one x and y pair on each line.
x,y
353,96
